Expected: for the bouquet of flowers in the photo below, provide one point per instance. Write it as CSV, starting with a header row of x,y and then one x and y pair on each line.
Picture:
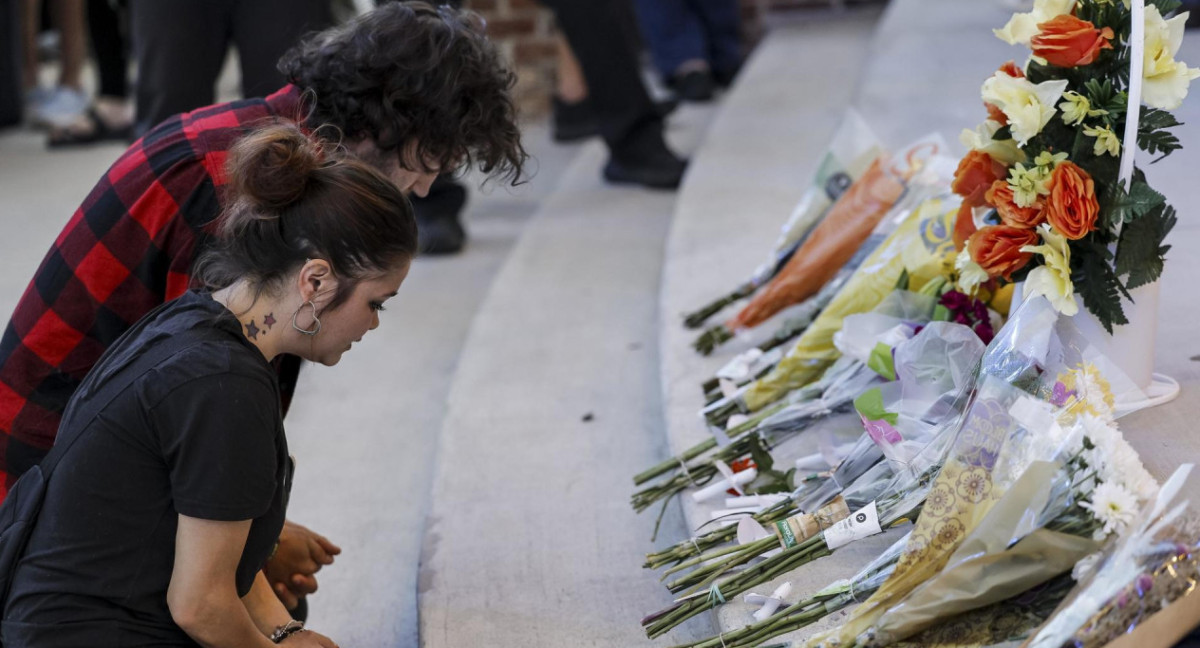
x,y
1049,198
1000,518
850,153
926,402
1152,565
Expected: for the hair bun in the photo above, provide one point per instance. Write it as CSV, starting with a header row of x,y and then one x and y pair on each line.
x,y
271,168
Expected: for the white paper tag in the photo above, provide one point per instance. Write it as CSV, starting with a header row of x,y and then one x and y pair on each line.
x,y
862,523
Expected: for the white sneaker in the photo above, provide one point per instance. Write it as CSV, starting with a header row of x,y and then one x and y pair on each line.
x,y
64,107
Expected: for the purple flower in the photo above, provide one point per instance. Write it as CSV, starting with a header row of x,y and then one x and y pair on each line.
x,y
955,301
980,311
984,331
1144,583
1060,395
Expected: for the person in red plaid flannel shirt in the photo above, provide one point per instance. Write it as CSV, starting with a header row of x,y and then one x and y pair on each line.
x,y
412,89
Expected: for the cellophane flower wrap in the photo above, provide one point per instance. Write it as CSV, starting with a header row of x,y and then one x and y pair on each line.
x,y
918,247
1028,366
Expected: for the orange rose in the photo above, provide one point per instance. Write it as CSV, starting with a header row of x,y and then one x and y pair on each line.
x,y
976,172
1067,41
964,226
997,249
1071,208
1000,196
1012,70
994,112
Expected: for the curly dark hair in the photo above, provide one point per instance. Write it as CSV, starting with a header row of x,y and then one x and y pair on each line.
x,y
411,72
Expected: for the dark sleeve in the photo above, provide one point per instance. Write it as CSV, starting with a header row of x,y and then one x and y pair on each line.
x,y
218,436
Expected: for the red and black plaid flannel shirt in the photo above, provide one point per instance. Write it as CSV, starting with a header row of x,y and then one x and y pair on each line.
x,y
128,248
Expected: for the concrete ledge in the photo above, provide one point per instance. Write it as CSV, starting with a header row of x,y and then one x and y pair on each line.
x,y
920,71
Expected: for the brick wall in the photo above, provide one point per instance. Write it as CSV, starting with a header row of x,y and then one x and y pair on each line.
x,y
524,32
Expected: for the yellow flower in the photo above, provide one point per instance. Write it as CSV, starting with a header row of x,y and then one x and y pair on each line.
x,y
1106,141
1076,108
1052,279
1027,106
1003,151
1049,160
970,274
1028,184
1024,26
1092,392
1165,80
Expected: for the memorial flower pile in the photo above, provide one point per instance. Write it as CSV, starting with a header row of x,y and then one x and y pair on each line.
x,y
1045,198
1003,466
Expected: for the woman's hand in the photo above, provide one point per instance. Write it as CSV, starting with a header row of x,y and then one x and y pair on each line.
x,y
301,554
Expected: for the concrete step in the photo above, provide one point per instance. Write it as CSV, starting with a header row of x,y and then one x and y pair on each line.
x,y
555,401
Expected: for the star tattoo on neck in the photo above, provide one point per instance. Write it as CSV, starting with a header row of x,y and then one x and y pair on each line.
x,y
252,330
269,320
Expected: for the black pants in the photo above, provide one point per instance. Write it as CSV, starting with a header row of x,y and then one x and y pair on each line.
x,y
601,35
108,44
180,47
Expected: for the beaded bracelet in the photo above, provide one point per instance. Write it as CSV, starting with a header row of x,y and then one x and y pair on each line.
x,y
286,630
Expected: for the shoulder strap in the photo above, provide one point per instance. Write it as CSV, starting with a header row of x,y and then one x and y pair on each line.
x,y
103,395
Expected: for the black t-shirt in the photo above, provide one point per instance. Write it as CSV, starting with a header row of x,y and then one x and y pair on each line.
x,y
200,434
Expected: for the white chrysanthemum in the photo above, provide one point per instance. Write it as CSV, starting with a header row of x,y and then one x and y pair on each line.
x,y
1113,506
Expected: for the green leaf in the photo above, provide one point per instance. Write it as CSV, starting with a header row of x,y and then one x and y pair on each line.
x,y
1152,136
1096,283
761,455
1140,253
880,361
1125,207
1004,133
870,407
1099,93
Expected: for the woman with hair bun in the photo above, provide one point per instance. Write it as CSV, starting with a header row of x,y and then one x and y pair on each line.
x,y
170,478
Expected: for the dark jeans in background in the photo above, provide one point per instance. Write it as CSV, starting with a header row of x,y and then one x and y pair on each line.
x,y
598,32
11,93
180,46
677,31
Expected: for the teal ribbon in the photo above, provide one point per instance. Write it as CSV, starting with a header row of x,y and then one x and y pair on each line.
x,y
715,597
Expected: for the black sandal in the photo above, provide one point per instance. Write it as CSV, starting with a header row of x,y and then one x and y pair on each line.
x,y
101,132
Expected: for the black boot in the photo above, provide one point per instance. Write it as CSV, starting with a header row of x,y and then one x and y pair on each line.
x,y
439,228
643,158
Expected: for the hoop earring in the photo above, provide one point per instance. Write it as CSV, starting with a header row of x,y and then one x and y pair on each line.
x,y
314,330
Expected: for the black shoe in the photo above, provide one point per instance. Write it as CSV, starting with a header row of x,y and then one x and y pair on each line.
x,y
696,85
574,121
645,160
724,77
439,230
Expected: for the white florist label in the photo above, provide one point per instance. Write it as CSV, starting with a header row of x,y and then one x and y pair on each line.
x,y
862,523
